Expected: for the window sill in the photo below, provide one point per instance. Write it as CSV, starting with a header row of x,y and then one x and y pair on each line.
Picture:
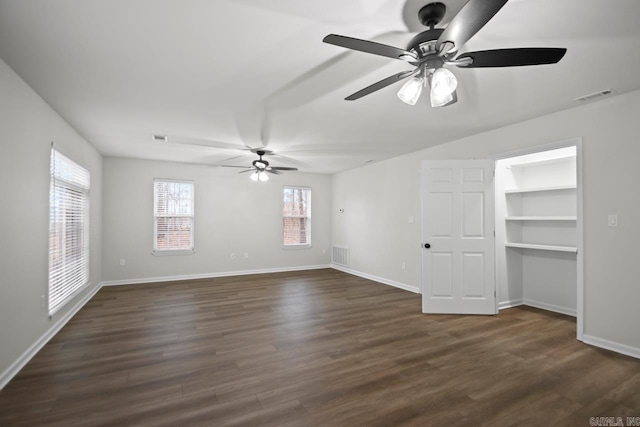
x,y
294,247
174,252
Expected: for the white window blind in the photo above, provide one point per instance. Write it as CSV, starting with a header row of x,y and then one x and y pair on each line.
x,y
68,230
173,217
296,216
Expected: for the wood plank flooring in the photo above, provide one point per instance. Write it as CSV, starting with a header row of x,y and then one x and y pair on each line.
x,y
314,348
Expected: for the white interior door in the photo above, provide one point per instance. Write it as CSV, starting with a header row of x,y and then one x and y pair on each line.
x,y
458,271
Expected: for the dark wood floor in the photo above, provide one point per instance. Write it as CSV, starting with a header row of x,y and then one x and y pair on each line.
x,y
317,348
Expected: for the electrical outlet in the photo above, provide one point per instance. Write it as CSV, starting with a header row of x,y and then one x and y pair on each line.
x,y
232,256
324,252
613,220
404,265
411,220
246,255
122,262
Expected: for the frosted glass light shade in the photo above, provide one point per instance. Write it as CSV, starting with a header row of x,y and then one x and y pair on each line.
x,y
411,90
443,83
440,101
254,176
263,177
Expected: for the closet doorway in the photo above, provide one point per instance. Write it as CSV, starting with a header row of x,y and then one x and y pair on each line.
x,y
538,226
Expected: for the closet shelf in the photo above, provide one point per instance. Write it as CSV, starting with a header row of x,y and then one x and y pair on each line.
x,y
541,218
539,189
560,159
556,248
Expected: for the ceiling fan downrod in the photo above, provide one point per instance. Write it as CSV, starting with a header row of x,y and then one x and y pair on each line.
x,y
260,164
431,14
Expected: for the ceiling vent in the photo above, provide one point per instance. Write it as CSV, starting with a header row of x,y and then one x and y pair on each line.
x,y
160,138
596,95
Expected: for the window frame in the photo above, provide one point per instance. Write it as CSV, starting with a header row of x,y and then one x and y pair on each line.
x,y
69,264
308,243
173,251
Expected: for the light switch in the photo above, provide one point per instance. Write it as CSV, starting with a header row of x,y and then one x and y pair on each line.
x,y
613,220
411,220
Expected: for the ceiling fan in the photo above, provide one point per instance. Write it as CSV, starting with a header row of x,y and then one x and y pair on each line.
x,y
261,168
431,50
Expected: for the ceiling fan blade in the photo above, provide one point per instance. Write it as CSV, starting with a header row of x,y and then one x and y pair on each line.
x,y
471,18
273,171
230,158
382,84
517,57
369,47
241,167
284,168
248,170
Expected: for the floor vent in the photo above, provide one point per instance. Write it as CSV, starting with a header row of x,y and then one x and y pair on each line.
x,y
340,256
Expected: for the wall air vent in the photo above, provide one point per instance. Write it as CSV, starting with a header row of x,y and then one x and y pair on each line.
x,y
340,256
596,95
160,138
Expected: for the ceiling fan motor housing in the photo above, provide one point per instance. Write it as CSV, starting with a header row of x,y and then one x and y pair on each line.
x,y
260,164
424,43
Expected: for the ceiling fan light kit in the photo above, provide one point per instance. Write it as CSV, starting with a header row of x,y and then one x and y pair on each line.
x,y
443,83
443,86
411,90
259,176
440,101
431,50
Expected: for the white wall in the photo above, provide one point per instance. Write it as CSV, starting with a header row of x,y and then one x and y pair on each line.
x,y
378,199
27,127
232,215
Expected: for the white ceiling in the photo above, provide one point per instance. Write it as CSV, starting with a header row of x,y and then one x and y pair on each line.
x,y
238,73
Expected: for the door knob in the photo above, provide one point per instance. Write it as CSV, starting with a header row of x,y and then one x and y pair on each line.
x,y
427,245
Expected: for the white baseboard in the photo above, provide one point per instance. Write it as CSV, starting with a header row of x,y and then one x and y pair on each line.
x,y
550,307
537,304
611,345
509,304
21,361
211,275
393,283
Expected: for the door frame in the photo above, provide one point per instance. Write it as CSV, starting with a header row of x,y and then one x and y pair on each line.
x,y
574,142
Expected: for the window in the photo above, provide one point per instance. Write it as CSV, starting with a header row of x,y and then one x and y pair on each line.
x,y
173,217
296,216
68,230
